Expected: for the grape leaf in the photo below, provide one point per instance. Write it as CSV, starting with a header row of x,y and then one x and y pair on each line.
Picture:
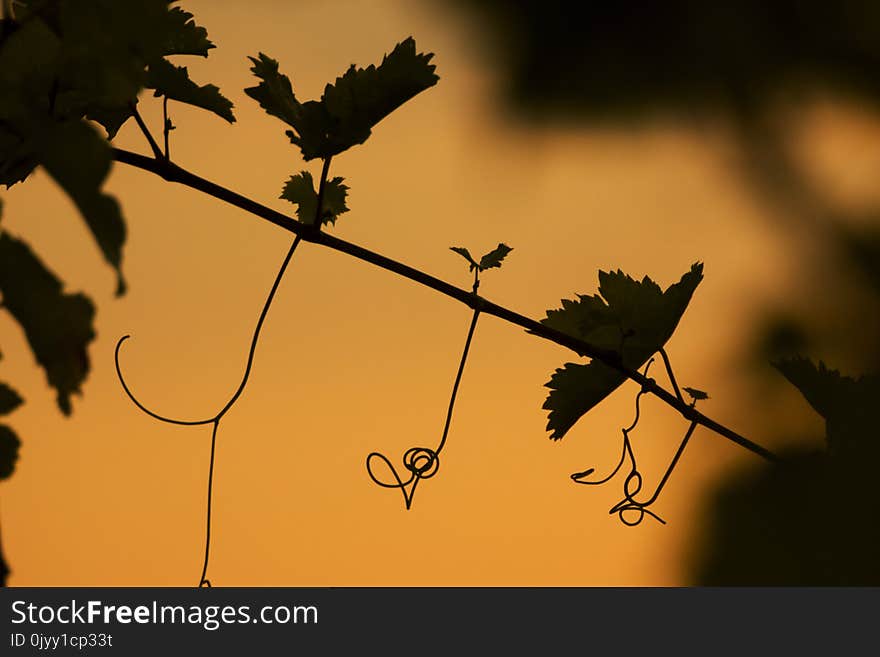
x,y
362,97
350,107
79,160
488,261
494,257
695,394
57,326
300,190
634,318
9,444
173,82
464,253
276,97
183,36
9,399
847,404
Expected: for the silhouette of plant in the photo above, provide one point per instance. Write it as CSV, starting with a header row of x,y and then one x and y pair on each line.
x,y
58,77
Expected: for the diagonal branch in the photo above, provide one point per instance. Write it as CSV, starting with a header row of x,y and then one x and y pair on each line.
x,y
174,173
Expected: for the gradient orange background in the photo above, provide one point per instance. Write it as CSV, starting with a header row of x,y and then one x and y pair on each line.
x,y
354,359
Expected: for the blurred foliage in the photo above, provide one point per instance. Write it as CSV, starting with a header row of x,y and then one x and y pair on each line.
x,y
812,518
625,59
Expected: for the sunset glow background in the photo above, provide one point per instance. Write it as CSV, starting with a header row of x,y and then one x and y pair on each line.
x,y
354,359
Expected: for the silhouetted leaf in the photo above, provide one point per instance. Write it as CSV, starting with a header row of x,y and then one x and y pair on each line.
x,y
9,444
574,390
57,326
300,190
494,257
848,405
464,253
183,36
174,82
9,399
78,159
695,394
350,107
276,97
634,318
362,97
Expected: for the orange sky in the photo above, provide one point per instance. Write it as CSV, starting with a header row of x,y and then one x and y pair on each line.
x,y
354,359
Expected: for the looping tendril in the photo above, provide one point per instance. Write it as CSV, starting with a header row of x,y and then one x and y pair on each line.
x,y
215,419
629,510
420,462
424,462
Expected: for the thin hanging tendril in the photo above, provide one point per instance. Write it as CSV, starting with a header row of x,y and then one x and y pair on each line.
x,y
629,510
424,462
216,418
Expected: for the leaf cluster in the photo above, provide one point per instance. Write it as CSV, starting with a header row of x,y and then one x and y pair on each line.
x,y
350,107
492,259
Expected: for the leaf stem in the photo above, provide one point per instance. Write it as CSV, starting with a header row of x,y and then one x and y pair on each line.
x,y
319,214
671,375
166,125
157,153
174,173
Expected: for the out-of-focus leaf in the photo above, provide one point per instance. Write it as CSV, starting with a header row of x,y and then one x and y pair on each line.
x,y
28,60
464,253
809,519
57,326
174,83
17,158
9,444
111,118
300,190
78,159
634,318
494,257
106,45
9,399
183,36
847,404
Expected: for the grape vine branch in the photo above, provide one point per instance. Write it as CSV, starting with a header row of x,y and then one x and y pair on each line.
x,y
172,172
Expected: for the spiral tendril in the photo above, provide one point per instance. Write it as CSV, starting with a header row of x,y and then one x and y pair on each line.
x,y
423,462
630,511
215,419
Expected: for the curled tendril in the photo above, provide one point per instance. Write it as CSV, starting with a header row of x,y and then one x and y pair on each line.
x,y
214,419
629,510
423,462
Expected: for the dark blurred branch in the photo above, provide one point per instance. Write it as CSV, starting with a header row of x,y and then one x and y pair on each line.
x,y
174,173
